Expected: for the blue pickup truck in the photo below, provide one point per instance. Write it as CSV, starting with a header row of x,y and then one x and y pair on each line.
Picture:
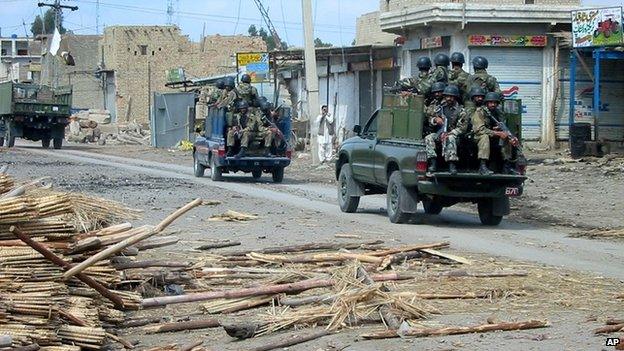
x,y
209,149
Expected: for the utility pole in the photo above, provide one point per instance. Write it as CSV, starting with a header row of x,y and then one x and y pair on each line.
x,y
311,77
58,10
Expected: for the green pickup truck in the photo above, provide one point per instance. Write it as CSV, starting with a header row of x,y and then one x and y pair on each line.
x,y
388,156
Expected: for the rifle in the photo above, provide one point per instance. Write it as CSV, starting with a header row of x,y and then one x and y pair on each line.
x,y
439,113
503,128
272,123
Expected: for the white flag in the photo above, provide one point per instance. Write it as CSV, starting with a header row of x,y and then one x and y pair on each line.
x,y
56,42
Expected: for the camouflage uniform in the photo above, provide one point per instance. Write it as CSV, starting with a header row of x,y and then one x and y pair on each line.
x,y
457,125
228,98
459,77
214,95
247,92
439,74
481,79
482,125
420,84
248,126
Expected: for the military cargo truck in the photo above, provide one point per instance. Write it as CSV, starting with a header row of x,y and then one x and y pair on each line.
x,y
34,112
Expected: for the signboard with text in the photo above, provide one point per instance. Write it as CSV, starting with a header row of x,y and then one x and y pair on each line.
x,y
256,64
431,43
508,40
597,27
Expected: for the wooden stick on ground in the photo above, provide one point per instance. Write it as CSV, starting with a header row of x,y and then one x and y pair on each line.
x,y
612,321
391,320
422,332
139,322
33,347
496,274
218,245
262,290
59,262
149,264
130,241
291,341
609,329
396,250
179,326
191,345
448,256
303,247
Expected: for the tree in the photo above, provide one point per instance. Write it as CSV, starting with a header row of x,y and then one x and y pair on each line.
x,y
47,23
266,37
318,43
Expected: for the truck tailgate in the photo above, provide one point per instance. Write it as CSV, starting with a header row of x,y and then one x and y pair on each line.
x,y
472,185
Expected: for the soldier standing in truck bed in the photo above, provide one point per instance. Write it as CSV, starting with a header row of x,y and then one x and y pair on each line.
x,y
440,72
246,91
230,95
421,84
457,75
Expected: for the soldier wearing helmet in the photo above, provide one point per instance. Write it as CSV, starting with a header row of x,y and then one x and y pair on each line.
x,y
481,78
485,126
246,91
451,122
230,94
239,128
440,72
475,97
420,84
457,75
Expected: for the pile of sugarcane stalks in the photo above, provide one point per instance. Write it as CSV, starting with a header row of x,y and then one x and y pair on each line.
x,y
60,286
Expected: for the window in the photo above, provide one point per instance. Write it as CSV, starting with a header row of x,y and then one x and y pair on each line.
x,y
371,126
143,49
529,2
3,52
22,52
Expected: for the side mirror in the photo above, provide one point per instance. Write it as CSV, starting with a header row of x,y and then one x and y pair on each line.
x,y
357,129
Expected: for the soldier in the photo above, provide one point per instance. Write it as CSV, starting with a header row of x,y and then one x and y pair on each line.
x,y
435,97
246,91
485,127
440,73
457,75
481,78
230,95
420,84
214,98
452,122
238,127
475,97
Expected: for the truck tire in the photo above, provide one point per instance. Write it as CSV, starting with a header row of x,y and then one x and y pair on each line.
x,y
256,174
486,213
58,143
45,143
198,168
216,173
348,203
432,207
278,174
395,197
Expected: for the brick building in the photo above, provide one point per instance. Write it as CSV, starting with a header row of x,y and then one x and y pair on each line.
x,y
513,34
135,59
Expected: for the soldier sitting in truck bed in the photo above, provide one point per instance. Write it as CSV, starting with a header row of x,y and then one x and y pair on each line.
x,y
486,124
451,123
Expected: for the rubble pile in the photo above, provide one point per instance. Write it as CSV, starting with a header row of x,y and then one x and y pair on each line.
x,y
95,126
44,233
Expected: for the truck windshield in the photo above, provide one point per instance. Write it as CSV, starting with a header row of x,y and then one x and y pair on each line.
x,y
27,94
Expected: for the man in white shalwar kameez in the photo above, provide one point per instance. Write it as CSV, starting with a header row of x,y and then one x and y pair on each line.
x,y
326,130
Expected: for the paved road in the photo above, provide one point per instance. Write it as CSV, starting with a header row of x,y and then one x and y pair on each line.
x,y
512,240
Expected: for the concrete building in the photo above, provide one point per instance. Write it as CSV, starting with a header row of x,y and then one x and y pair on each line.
x,y
136,58
20,59
512,34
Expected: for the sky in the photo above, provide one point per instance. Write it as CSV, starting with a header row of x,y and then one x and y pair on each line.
x,y
334,19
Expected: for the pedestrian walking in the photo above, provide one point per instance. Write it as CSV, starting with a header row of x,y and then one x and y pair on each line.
x,y
326,131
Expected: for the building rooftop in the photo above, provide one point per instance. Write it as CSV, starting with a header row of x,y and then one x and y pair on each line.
x,y
423,15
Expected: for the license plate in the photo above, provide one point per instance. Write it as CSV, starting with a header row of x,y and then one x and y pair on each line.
x,y
512,191
256,163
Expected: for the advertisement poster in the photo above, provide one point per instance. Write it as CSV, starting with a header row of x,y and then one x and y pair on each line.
x,y
256,64
508,40
597,27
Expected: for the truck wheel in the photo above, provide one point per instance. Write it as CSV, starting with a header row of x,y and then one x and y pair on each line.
x,y
348,203
394,198
216,173
256,174
198,168
431,207
45,143
58,143
278,174
486,214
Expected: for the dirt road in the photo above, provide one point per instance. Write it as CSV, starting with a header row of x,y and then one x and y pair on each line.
x,y
296,212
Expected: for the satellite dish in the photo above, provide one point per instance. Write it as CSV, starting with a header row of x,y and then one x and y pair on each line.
x,y
68,58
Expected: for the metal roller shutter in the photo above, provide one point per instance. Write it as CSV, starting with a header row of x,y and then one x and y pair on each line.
x,y
519,72
611,120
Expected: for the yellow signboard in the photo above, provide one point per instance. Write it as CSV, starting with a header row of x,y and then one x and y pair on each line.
x,y
256,64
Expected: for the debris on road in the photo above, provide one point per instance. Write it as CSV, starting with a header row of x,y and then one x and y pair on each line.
x,y
63,231
233,216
